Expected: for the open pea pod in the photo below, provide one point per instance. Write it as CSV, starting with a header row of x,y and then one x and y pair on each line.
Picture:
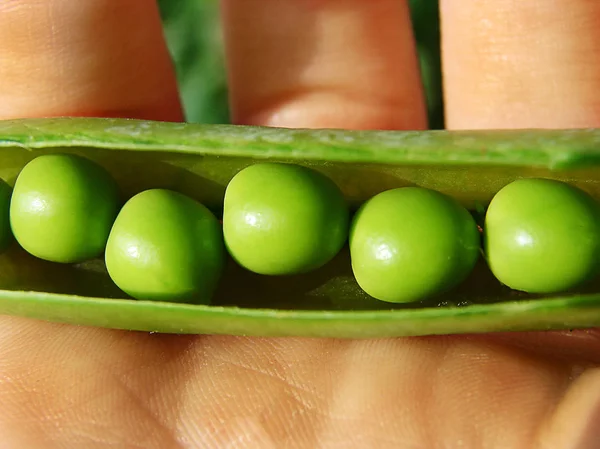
x,y
199,160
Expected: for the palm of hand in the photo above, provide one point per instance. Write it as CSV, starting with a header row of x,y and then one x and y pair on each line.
x,y
96,388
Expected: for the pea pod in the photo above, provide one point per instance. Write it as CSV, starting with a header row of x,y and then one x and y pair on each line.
x,y
199,161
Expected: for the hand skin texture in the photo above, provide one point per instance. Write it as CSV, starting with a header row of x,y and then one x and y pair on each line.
x,y
303,63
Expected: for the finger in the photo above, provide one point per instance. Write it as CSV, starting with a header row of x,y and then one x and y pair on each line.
x,y
574,422
516,64
309,63
92,58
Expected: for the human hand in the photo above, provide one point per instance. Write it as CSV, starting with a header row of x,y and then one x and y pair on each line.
x,y
302,63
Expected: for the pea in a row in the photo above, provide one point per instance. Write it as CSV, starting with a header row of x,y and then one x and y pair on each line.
x,y
406,244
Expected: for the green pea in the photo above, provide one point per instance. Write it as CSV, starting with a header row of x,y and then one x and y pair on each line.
x,y
282,219
542,236
410,243
63,207
165,246
6,236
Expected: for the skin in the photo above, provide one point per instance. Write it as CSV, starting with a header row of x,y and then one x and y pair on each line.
x,y
310,63
411,243
165,246
63,207
542,236
267,203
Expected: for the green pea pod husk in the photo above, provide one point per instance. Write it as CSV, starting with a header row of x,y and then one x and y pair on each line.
x,y
199,160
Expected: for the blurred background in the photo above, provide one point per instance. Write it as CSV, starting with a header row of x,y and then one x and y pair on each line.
x,y
193,34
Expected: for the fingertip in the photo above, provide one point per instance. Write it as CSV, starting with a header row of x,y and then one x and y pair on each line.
x,y
315,64
516,64
92,58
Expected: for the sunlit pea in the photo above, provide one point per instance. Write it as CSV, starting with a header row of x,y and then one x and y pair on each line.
x,y
63,207
542,236
411,243
282,219
165,246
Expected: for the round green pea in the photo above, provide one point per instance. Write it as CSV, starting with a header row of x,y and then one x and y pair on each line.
x,y
542,236
6,236
282,219
165,246
63,207
410,243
